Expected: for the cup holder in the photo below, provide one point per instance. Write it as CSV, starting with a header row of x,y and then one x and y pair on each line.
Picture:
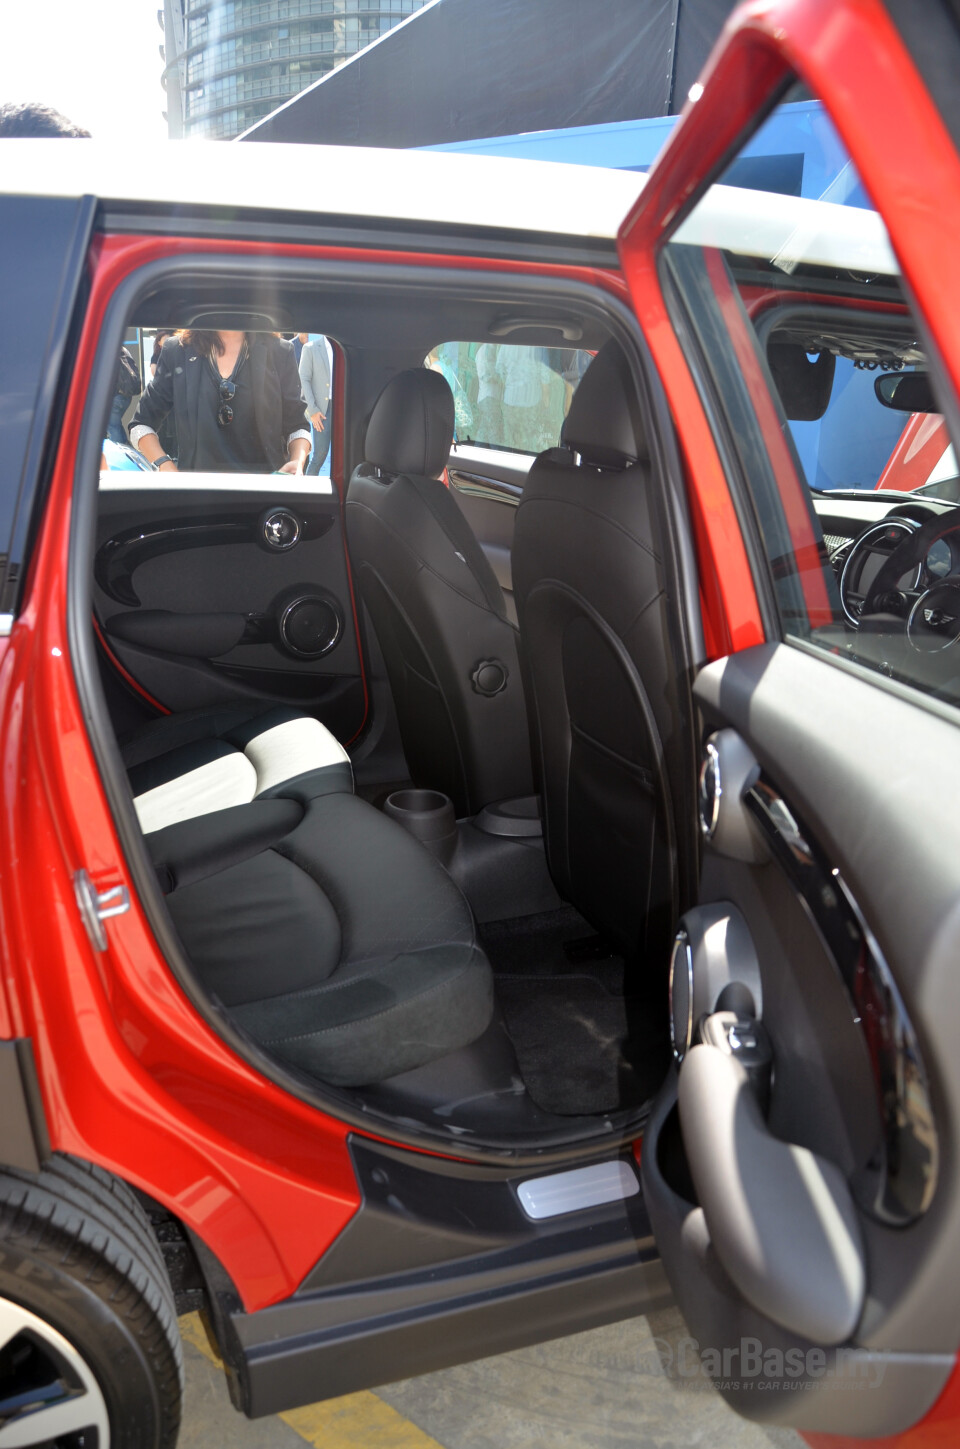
x,y
429,816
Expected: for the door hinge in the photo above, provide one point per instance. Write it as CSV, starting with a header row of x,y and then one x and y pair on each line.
x,y
98,906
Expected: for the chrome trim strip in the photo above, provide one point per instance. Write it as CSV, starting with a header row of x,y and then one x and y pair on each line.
x,y
681,944
6,625
709,790
902,1185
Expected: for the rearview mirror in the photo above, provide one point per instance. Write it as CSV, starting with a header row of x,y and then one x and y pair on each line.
x,y
905,392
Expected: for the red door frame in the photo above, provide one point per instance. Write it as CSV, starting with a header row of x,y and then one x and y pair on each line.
x,y
131,1076
850,56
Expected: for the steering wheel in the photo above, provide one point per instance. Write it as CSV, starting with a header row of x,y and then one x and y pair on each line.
x,y
933,621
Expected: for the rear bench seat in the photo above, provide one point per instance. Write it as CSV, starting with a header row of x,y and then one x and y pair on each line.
x,y
190,764
334,939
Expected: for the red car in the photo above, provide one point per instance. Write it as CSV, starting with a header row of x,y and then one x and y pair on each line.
x,y
511,885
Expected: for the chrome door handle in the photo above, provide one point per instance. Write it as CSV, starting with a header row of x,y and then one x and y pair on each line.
x,y
98,906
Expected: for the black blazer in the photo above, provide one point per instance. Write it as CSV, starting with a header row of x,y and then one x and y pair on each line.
x,y
275,382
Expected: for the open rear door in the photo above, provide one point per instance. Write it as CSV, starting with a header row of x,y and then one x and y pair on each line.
x,y
801,1167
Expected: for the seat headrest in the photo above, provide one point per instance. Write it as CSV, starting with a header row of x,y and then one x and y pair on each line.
x,y
604,424
411,426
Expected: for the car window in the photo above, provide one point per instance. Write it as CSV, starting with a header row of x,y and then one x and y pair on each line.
x,y
181,397
509,395
42,245
815,372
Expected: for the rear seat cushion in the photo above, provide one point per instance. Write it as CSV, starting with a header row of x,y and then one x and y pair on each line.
x,y
335,940
192,764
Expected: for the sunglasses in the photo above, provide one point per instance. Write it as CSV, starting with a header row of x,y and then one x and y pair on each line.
x,y
225,411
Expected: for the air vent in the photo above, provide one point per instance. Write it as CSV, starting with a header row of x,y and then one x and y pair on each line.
x,y
838,548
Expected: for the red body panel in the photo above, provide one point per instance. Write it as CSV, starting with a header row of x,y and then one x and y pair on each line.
x,y
131,1076
939,1430
919,448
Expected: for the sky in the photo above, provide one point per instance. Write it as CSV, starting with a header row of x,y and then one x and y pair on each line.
x,y
96,61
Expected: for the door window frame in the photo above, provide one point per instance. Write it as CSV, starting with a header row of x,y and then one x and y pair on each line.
x,y
838,49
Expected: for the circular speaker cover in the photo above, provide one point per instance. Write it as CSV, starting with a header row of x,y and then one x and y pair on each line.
x,y
311,625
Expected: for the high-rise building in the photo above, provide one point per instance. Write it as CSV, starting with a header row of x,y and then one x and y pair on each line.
x,y
230,62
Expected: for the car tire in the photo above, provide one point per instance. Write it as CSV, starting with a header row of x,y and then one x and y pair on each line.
x,y
88,1328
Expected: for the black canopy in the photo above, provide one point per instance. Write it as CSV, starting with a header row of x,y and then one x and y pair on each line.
x,y
461,69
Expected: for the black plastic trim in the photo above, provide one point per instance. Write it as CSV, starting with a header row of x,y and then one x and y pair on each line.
x,y
119,557
24,1140
706,342
476,486
303,229
439,1266
680,560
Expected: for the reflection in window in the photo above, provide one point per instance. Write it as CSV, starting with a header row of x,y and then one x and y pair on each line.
x,y
509,395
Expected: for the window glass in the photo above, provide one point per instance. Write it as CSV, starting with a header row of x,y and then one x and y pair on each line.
x,y
41,248
803,341
508,395
197,403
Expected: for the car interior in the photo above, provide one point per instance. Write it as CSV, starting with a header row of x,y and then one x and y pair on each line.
x,y
415,765
421,877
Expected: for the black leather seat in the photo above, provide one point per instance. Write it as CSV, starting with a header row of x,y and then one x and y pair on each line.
x,y
589,587
435,603
330,935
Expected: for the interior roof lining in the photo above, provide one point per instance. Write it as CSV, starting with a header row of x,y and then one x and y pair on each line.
x,y
414,318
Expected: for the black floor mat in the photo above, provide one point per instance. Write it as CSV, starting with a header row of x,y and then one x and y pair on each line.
x,y
537,946
582,1050
583,1046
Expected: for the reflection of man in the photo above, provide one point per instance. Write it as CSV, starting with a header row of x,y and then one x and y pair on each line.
x,y
526,383
316,371
489,395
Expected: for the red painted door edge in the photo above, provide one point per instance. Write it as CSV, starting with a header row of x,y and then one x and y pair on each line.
x,y
939,1429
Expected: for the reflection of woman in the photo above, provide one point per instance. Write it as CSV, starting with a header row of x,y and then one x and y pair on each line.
x,y
158,342
167,431
235,398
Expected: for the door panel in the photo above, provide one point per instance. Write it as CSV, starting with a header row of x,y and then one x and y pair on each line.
x,y
807,1136
488,483
256,573
882,819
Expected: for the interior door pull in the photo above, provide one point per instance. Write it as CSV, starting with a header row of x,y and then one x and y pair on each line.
x,y
781,1218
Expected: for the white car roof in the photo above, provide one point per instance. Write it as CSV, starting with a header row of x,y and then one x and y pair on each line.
x,y
427,186
436,187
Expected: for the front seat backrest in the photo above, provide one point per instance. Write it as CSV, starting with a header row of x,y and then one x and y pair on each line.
x,y
602,694
435,603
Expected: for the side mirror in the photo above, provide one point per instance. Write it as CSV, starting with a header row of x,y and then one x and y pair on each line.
x,y
905,392
804,383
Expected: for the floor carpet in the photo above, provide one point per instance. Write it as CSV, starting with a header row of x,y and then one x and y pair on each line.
x,y
583,1045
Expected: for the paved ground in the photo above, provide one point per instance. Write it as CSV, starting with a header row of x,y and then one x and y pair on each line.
x,y
601,1390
